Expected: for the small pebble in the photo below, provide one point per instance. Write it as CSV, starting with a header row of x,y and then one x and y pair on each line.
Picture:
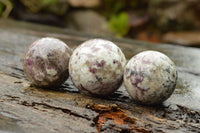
x,y
46,62
150,77
96,67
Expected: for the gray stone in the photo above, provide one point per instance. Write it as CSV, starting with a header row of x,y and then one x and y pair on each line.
x,y
88,21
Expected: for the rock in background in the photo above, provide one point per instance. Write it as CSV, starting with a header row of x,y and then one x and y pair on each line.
x,y
88,21
143,20
175,14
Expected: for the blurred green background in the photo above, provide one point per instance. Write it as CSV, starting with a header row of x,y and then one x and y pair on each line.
x,y
149,20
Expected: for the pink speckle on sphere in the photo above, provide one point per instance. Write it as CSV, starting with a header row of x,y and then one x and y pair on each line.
x,y
96,67
150,77
46,62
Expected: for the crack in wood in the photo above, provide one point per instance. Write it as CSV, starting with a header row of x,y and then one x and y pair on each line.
x,y
64,110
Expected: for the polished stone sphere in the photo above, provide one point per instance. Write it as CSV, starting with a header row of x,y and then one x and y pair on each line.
x,y
46,62
150,77
96,67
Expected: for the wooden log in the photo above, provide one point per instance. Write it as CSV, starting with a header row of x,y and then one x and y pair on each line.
x,y
24,108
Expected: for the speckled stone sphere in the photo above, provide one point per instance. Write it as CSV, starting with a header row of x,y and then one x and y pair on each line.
x,y
46,62
96,67
150,77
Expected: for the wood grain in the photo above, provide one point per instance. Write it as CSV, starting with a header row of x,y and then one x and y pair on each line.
x,y
24,108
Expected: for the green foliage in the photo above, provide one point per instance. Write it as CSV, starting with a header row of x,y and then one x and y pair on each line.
x,y
114,7
120,24
116,12
1,9
134,3
49,2
6,7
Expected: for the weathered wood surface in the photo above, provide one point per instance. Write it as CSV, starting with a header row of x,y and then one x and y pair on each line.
x,y
27,109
